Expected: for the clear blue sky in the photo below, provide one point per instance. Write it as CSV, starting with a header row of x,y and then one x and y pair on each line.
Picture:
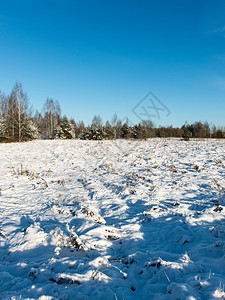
x,y
102,57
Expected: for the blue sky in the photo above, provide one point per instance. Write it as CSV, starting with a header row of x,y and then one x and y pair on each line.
x,y
102,57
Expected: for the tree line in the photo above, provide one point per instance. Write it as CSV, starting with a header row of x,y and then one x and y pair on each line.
x,y
18,123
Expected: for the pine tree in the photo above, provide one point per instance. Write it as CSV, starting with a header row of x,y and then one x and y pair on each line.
x,y
187,134
110,132
86,133
58,133
65,130
94,132
139,131
29,130
125,131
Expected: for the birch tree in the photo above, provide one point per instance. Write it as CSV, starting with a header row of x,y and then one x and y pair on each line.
x,y
52,117
18,103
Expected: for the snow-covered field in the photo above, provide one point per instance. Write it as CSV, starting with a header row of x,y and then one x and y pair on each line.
x,y
112,220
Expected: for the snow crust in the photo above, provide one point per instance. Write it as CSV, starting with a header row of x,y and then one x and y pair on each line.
x,y
112,219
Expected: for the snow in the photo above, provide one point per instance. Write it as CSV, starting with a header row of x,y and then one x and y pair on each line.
x,y
112,219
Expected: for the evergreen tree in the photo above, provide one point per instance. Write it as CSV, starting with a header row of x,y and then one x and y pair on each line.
x,y
29,129
86,133
187,134
125,131
219,134
58,133
65,130
94,132
110,131
139,131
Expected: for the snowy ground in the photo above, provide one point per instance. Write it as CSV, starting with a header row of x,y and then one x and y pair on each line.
x,y
112,220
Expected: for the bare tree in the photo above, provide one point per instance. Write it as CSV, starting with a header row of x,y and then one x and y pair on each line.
x,y
18,110
52,117
3,105
97,121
